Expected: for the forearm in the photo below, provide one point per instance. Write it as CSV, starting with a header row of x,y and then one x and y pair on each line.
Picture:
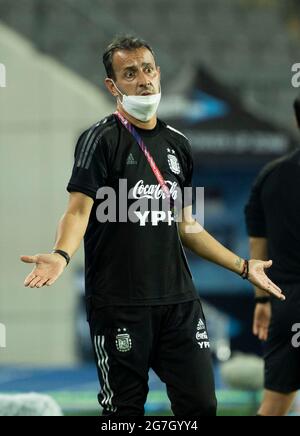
x,y
259,250
70,232
204,245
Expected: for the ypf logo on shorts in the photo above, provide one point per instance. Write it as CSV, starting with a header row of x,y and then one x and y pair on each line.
x,y
2,336
123,341
296,337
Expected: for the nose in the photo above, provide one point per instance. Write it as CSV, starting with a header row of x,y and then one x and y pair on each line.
x,y
143,80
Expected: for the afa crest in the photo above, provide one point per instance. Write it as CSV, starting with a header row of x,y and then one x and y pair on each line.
x,y
173,162
123,342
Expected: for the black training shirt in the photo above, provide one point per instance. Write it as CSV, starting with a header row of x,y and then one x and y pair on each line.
x,y
132,263
273,212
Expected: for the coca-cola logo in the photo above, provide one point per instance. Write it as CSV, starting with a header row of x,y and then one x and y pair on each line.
x,y
153,192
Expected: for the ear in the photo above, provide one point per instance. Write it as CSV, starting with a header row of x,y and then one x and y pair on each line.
x,y
111,87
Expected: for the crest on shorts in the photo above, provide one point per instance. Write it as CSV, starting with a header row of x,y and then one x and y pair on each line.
x,y
173,162
123,341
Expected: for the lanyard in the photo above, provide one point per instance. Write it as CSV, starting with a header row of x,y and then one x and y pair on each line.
x,y
148,156
156,172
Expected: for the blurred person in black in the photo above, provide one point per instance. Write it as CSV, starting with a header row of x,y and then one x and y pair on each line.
x,y
272,216
143,308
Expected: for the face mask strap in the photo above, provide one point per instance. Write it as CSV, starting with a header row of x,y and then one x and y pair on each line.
x,y
118,97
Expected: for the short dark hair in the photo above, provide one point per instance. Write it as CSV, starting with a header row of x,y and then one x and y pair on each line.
x,y
297,110
123,42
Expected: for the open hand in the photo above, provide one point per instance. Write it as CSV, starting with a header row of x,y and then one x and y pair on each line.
x,y
48,267
258,278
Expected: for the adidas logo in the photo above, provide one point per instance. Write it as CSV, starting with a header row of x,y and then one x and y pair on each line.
x,y
200,325
131,160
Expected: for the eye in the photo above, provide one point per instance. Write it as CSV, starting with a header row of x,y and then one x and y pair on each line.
x,y
149,70
129,74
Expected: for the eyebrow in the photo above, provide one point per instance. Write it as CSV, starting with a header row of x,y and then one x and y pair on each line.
x,y
134,67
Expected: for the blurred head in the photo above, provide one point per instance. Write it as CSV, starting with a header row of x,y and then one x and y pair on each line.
x,y
130,66
297,110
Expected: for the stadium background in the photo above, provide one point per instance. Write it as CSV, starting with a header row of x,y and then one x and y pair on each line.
x,y
226,81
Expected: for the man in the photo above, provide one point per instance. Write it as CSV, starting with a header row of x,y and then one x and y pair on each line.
x,y
272,216
143,308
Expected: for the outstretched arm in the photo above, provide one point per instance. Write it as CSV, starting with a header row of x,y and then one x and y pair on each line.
x,y
70,231
199,241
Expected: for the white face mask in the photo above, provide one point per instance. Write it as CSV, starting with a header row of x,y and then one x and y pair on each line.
x,y
141,107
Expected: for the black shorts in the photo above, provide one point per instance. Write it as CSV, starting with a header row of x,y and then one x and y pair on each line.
x,y
172,340
282,358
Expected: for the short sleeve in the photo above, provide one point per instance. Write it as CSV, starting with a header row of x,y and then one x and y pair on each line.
x,y
90,170
254,212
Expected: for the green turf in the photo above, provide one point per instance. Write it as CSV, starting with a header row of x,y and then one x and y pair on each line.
x,y
231,403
